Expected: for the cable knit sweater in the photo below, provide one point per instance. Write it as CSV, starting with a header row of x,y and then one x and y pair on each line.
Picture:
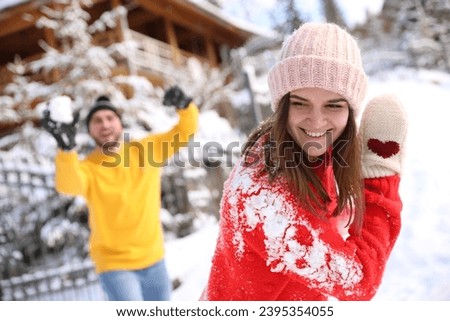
x,y
271,248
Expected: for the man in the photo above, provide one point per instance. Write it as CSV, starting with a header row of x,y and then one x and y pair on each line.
x,y
121,184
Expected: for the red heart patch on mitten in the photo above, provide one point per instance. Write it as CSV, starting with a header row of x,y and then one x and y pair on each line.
x,y
383,149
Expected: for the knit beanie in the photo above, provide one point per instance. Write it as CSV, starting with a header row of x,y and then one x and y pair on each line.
x,y
101,103
321,55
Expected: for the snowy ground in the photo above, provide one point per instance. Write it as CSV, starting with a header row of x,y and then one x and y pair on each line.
x,y
420,263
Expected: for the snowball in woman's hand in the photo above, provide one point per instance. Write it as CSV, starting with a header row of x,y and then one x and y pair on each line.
x,y
61,109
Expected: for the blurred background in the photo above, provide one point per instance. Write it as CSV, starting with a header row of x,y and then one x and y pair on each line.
x,y
219,52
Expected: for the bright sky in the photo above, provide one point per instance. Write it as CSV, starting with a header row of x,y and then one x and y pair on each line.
x,y
258,11
356,10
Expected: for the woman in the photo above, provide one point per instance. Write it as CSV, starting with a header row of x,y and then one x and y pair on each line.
x,y
308,214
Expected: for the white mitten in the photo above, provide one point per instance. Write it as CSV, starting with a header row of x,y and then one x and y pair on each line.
x,y
383,132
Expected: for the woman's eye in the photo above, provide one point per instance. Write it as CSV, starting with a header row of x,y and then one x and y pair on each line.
x,y
298,104
335,106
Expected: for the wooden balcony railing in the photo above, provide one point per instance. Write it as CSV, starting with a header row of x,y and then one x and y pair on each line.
x,y
159,57
149,55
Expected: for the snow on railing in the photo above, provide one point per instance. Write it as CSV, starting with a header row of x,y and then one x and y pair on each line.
x,y
157,56
22,172
73,281
149,54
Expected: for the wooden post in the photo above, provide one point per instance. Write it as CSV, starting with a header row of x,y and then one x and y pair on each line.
x,y
121,31
172,40
50,38
211,52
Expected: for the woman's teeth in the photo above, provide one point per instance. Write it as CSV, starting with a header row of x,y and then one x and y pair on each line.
x,y
314,134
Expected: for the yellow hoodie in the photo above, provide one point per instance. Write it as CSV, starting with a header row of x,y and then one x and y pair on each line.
x,y
122,191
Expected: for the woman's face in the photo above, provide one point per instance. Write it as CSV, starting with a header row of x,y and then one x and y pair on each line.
x,y
317,117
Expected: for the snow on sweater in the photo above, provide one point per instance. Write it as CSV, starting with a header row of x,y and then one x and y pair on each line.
x,y
271,248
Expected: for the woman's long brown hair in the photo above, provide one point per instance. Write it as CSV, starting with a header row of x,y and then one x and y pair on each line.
x,y
284,157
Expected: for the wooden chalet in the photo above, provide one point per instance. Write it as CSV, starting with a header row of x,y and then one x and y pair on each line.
x,y
168,33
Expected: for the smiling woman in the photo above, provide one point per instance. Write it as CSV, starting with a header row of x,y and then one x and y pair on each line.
x,y
305,214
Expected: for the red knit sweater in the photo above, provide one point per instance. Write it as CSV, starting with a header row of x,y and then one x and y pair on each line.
x,y
270,248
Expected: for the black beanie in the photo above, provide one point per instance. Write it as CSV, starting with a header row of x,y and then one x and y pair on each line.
x,y
101,103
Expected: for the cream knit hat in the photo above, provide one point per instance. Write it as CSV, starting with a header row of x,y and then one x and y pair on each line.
x,y
319,55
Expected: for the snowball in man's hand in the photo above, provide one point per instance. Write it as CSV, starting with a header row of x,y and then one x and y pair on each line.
x,y
61,109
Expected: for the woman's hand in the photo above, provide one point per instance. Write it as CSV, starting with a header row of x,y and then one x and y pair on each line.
x,y
383,132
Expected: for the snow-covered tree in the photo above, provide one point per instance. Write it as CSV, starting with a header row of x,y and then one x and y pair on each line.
x,y
38,225
420,29
217,3
291,17
332,12
438,13
410,33
36,222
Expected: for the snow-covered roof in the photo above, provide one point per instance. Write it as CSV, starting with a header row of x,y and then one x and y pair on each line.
x,y
4,4
203,6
